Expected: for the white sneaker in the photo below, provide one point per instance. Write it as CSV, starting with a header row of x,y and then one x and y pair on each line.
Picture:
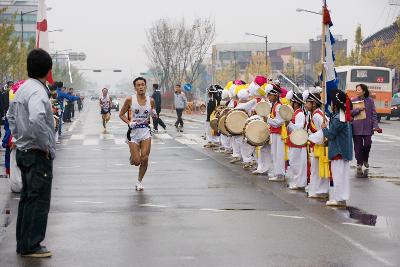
x,y
279,178
139,186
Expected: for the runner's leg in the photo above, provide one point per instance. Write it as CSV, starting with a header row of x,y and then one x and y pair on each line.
x,y
145,147
135,153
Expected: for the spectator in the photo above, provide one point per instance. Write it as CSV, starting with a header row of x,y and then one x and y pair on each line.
x,y
180,105
363,129
157,99
61,95
31,123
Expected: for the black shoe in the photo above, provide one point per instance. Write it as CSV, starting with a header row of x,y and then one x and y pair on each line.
x,y
42,252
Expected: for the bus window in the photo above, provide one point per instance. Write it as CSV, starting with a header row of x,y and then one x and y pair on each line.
x,y
370,76
341,77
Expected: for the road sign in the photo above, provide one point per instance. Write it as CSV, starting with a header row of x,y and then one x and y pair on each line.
x,y
81,56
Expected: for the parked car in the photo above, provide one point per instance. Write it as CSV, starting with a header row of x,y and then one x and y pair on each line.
x,y
395,108
115,103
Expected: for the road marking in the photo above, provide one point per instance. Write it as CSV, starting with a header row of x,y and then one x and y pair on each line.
x,y
119,141
171,147
111,211
163,136
285,216
67,167
90,142
359,225
121,164
153,205
88,202
77,137
366,250
201,159
388,136
71,128
186,141
375,139
194,137
214,210
106,136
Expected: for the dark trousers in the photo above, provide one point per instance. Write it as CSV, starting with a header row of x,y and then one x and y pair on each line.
x,y
72,110
67,113
179,121
158,121
34,204
362,147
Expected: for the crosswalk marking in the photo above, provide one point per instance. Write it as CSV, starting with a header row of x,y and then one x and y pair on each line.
x,y
119,141
77,137
106,136
90,142
163,136
186,141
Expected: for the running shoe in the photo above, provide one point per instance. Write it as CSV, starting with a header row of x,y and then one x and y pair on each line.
x,y
139,186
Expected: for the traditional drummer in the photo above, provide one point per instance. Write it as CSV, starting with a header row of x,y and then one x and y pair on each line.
x,y
297,146
319,178
211,135
277,144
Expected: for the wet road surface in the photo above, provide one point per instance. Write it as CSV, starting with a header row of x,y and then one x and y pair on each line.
x,y
197,210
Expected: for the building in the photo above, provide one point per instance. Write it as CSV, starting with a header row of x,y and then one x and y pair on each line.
x,y
316,45
386,35
280,56
24,16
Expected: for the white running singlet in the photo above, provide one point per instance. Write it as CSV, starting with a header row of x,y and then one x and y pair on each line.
x,y
141,117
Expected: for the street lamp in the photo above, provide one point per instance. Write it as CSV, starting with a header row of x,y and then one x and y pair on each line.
x,y
266,47
56,30
308,11
22,14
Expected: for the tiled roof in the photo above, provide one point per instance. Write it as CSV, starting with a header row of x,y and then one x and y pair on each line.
x,y
388,33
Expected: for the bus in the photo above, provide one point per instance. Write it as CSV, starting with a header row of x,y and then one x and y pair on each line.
x,y
378,80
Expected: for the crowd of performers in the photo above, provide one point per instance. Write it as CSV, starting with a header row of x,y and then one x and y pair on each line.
x,y
284,136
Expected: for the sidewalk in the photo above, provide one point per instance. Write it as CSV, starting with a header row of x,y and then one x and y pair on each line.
x,y
170,113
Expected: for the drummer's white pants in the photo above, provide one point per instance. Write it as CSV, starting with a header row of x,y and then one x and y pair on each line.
x,y
317,185
341,180
236,141
226,141
264,160
209,136
278,154
297,167
247,152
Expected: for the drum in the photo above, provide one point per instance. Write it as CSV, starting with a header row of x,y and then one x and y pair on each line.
x,y
256,132
298,137
221,126
214,121
235,121
263,109
286,112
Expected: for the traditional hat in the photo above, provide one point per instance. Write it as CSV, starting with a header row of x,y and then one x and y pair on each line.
x,y
228,85
225,94
313,95
276,90
212,89
295,97
268,88
243,94
260,80
284,92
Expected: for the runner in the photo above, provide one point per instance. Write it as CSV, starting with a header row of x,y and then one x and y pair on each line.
x,y
139,137
105,106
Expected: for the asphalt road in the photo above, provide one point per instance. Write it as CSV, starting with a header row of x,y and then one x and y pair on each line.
x,y
198,210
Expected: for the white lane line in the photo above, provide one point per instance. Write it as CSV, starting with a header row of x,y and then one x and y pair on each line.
x,y
186,141
374,139
88,202
71,128
163,136
356,244
285,216
111,211
121,164
106,136
77,137
201,159
120,141
67,167
171,147
213,210
153,205
90,142
390,136
359,225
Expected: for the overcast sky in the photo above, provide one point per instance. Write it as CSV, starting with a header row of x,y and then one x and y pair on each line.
x,y
112,33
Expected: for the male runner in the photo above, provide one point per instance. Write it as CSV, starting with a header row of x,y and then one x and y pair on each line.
x,y
139,137
105,107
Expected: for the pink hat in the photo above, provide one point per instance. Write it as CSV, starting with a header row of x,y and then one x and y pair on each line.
x,y
17,85
260,80
284,92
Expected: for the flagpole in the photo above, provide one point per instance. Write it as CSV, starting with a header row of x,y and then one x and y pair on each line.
x,y
323,74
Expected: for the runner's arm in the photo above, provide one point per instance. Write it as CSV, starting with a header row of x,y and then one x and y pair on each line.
x,y
153,104
125,108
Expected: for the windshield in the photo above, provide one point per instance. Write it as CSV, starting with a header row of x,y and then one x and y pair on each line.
x,y
370,76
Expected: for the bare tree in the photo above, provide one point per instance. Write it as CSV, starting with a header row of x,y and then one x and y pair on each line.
x,y
176,50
